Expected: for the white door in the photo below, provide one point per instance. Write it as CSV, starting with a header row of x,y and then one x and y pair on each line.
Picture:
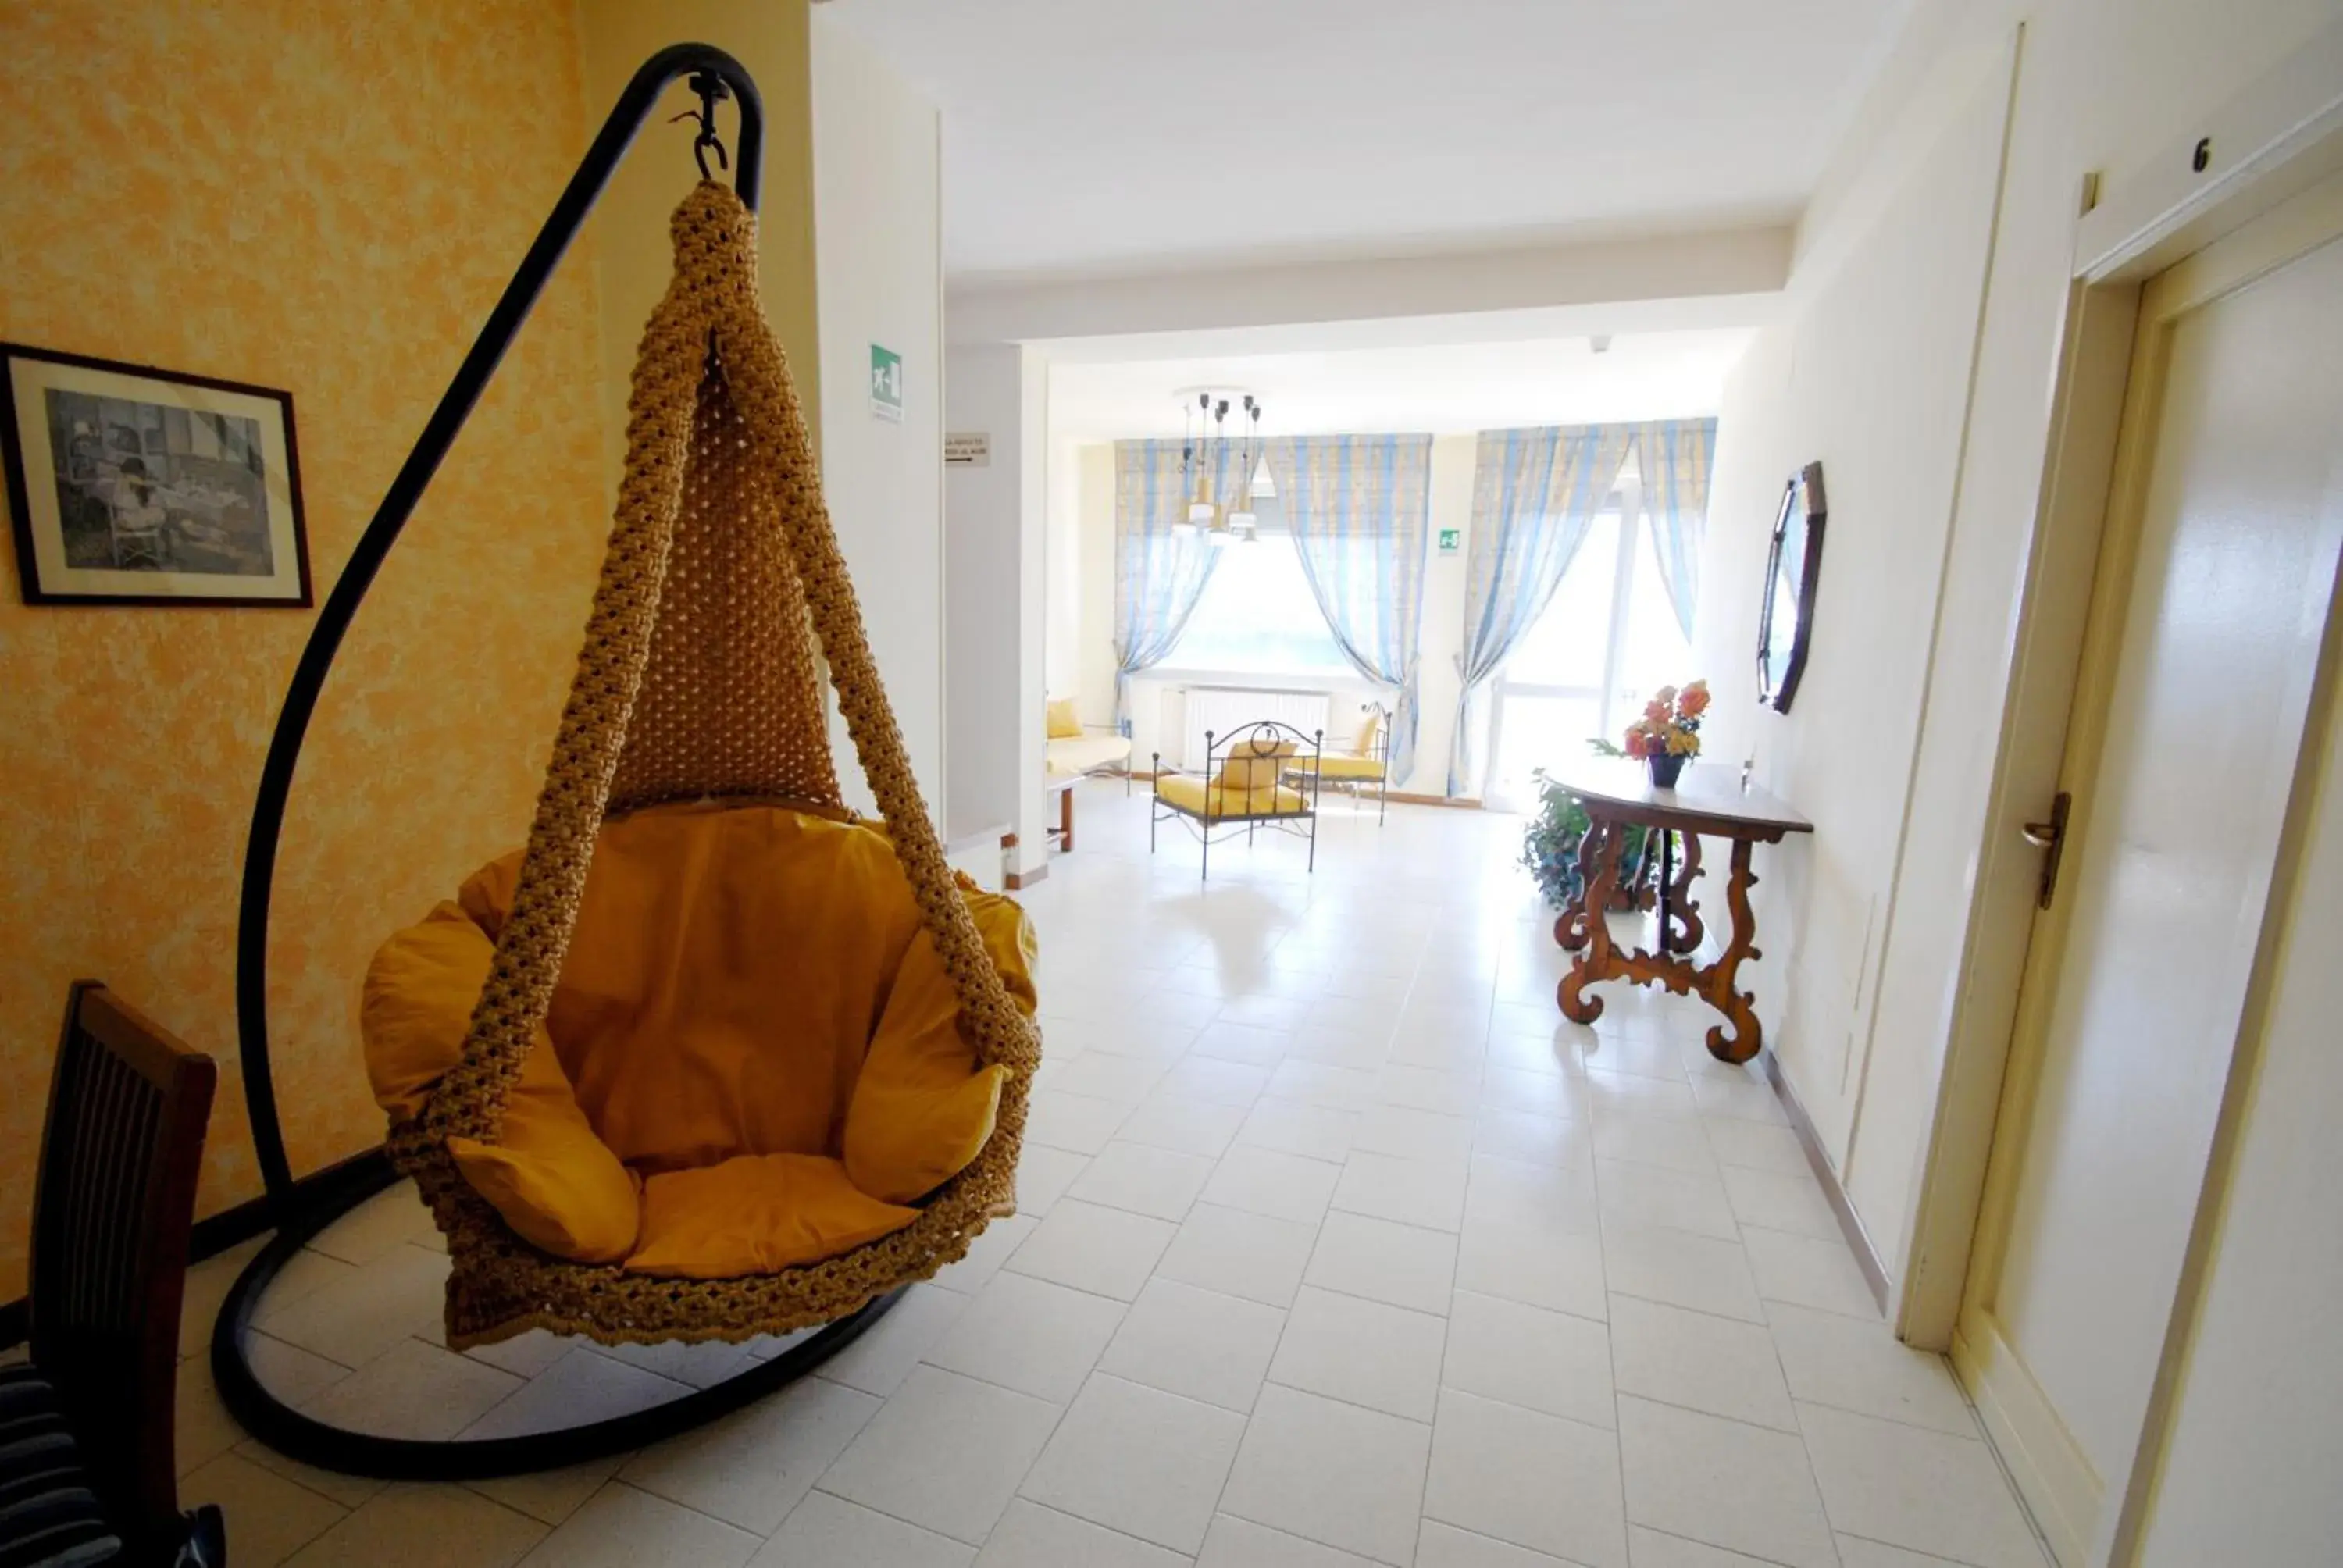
x,y
2211,607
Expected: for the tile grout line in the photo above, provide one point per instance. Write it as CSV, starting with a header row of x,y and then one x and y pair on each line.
x,y
1610,1344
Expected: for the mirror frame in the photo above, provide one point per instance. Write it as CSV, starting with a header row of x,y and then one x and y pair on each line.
x,y
1804,491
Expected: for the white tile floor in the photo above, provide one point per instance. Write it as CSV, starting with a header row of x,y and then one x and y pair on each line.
x,y
1337,1246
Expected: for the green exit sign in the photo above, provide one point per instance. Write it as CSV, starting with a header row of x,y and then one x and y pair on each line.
x,y
1450,541
886,384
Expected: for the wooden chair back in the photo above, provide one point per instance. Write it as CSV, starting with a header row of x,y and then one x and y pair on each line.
x,y
112,1212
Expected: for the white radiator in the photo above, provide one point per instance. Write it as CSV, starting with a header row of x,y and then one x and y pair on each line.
x,y
1223,709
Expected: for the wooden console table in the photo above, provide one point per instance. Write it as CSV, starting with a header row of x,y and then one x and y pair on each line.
x,y
1707,798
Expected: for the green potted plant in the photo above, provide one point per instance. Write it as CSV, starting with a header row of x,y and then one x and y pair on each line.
x,y
1550,843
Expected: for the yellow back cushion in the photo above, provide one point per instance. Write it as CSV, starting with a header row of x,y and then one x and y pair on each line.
x,y
726,975
1254,763
1369,728
923,1108
416,1007
1063,723
556,1184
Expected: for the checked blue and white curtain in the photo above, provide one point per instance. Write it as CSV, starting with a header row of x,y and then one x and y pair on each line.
x,y
1535,494
1158,576
1675,456
1360,511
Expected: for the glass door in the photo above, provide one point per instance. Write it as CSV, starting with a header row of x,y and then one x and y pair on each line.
x,y
1607,639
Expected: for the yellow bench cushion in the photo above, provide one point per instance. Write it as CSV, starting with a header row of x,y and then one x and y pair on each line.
x,y
1214,802
1369,769
743,983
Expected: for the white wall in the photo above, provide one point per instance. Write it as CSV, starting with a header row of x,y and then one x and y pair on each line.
x,y
1094,672
983,516
1092,665
2100,84
1063,645
878,249
996,582
1870,376
1444,616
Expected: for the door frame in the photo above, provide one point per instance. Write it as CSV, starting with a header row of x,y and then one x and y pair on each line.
x,y
2278,137
2279,140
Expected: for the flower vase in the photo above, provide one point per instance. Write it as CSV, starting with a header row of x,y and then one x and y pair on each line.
x,y
1666,768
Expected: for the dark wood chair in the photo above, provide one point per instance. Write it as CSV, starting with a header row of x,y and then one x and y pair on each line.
x,y
90,1414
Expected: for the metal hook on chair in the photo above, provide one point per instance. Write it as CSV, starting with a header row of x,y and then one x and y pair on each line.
x,y
712,92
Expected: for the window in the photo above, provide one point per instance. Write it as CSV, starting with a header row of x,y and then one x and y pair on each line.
x,y
1654,652
1606,641
1258,616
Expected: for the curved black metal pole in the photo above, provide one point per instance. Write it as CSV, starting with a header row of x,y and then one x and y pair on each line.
x,y
260,1411
635,106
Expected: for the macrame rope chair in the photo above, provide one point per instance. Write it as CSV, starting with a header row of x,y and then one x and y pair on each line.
x,y
721,594
697,679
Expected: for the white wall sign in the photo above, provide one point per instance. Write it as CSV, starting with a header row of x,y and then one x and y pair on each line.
x,y
968,449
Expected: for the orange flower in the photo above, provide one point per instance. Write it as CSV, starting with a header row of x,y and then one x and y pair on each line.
x,y
1693,701
1639,745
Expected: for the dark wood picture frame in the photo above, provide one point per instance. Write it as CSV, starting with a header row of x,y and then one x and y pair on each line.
x,y
157,545
1794,565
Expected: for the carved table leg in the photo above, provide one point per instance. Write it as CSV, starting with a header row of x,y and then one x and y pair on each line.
x,y
1747,1037
1570,930
1597,962
1686,930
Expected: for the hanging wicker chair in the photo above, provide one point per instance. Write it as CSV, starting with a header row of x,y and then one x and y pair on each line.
x,y
698,681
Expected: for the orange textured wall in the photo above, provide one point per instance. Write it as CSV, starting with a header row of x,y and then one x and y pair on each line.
x,y
327,199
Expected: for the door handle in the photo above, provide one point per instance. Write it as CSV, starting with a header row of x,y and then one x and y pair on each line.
x,y
2050,838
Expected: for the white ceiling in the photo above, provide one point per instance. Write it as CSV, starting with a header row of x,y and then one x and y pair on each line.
x,y
1442,387
1127,135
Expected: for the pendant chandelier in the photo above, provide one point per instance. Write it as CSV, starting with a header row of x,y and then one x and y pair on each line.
x,y
1207,452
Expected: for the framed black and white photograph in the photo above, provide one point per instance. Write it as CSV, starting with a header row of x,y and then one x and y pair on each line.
x,y
128,485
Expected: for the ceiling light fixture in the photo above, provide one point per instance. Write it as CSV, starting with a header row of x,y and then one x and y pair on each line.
x,y
1196,463
1242,523
1208,457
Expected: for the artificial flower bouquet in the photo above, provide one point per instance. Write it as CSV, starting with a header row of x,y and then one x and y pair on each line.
x,y
1667,735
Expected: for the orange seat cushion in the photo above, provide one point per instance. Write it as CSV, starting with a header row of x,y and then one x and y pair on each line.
x,y
748,990
755,1213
